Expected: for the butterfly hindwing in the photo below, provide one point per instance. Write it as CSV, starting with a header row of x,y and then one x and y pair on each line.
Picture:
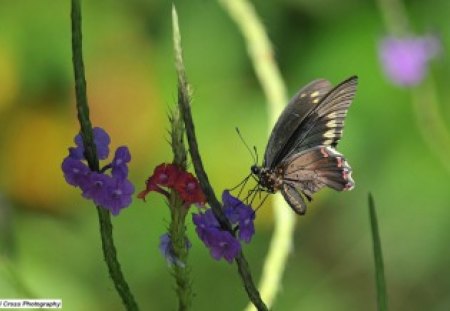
x,y
315,168
292,116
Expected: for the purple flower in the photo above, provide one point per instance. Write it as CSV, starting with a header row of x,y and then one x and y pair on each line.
x,y
75,172
166,249
246,225
110,192
405,60
239,213
118,195
205,222
119,163
101,140
96,188
223,244
76,153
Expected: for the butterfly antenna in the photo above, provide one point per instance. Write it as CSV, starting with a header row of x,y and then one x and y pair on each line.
x,y
256,155
246,145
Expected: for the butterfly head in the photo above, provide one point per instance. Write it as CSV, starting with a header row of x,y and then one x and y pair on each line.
x,y
256,170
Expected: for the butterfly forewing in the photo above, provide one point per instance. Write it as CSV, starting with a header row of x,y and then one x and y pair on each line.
x,y
293,115
325,123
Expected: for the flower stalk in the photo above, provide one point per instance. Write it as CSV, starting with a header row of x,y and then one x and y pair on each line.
x,y
108,247
184,105
178,210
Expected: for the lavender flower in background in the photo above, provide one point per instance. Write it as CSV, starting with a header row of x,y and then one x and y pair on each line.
x,y
222,243
166,249
405,60
110,192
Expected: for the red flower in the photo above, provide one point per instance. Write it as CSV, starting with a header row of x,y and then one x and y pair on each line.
x,y
189,189
164,175
172,177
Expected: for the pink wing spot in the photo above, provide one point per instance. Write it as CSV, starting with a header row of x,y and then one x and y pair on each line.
x,y
345,174
349,186
323,152
339,161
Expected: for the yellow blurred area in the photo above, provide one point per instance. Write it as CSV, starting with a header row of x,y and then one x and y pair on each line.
x,y
35,141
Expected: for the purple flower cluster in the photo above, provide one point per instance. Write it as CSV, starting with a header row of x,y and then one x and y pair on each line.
x,y
222,243
112,192
166,249
405,60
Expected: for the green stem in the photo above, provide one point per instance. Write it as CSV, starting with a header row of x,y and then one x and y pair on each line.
x,y
184,103
80,88
177,229
378,256
109,250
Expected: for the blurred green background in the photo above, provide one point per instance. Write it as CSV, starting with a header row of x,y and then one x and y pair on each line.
x,y
49,234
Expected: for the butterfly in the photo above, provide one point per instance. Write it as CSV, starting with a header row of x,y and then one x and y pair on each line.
x,y
300,157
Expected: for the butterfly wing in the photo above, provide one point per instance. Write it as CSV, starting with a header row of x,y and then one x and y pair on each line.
x,y
291,118
309,171
325,123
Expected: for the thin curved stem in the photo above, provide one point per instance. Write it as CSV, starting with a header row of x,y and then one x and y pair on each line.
x,y
184,103
109,250
261,55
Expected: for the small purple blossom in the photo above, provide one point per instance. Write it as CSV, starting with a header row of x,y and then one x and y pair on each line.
x,y
405,60
118,195
119,163
101,141
204,223
239,213
246,224
75,172
110,192
166,249
222,243
96,187
76,153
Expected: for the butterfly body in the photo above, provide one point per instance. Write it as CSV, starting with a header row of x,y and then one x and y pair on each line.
x,y
300,157
270,179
